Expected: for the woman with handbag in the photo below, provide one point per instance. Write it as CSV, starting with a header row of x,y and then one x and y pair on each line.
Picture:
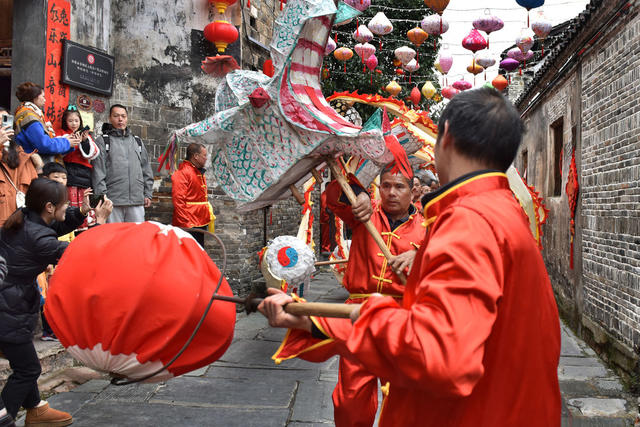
x,y
29,242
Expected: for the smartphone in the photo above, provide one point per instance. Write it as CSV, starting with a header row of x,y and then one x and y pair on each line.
x,y
7,120
94,199
84,129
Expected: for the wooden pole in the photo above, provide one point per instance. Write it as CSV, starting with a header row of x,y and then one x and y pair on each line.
x,y
335,261
348,191
320,309
296,193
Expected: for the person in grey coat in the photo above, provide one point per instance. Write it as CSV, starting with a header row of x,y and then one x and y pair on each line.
x,y
122,170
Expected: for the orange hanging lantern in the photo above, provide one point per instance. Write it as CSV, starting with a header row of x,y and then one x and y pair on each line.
x,y
397,62
417,36
500,83
438,6
475,69
393,88
343,54
222,5
221,33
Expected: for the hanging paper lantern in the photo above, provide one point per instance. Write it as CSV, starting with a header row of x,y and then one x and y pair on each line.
x,y
362,34
380,24
267,68
485,60
131,312
462,85
364,51
509,64
516,54
399,72
397,63
474,41
541,27
417,36
428,90
449,92
434,25
372,62
405,54
475,68
393,88
488,24
438,6
525,40
446,61
222,5
221,33
343,54
361,5
330,47
415,96
437,66
412,66
500,83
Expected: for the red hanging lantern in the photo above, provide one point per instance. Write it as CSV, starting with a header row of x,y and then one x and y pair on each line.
x,y
222,5
415,96
267,68
221,33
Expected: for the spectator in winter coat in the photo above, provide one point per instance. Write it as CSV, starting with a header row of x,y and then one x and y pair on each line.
x,y
32,133
122,170
29,242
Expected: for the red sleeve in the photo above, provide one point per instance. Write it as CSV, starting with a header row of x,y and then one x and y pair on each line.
x,y
339,208
179,189
436,341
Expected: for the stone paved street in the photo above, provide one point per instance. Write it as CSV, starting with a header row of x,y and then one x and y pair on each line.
x,y
245,388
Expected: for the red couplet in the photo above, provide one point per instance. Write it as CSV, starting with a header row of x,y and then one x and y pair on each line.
x,y
126,297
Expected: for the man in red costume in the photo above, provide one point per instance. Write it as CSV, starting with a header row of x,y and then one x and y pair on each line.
x,y
191,208
401,226
476,339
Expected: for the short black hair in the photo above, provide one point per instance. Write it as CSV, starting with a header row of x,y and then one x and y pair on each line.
x,y
118,106
3,109
484,126
193,149
53,167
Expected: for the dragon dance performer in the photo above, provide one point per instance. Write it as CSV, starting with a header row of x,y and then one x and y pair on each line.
x,y
355,397
476,339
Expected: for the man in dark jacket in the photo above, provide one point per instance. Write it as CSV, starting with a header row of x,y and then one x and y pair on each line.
x,y
122,170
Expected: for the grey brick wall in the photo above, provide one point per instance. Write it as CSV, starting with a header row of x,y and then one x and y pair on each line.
x,y
610,183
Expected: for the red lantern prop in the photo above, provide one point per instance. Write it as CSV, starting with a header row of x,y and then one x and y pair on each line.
x,y
267,68
474,41
222,5
126,297
500,83
415,96
221,33
449,92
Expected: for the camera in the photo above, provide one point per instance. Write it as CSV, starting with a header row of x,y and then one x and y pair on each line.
x,y
94,199
7,121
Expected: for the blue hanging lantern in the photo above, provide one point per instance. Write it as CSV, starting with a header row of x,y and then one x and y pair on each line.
x,y
530,4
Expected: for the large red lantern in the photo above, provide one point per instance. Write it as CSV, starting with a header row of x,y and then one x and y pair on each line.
x,y
221,33
222,5
126,297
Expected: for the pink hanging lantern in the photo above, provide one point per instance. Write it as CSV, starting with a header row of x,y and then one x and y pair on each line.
x,y
462,85
445,61
488,24
516,54
361,5
525,40
449,92
372,63
412,67
330,47
362,34
435,26
364,51
474,41
542,28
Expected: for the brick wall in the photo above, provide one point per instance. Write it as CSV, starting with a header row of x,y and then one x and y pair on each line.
x,y
610,183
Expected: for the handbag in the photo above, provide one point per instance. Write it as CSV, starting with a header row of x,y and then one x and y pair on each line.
x,y
20,196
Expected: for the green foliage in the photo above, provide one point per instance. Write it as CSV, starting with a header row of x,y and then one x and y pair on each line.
x,y
404,15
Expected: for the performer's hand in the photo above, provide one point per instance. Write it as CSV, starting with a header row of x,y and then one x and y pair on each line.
x,y
273,309
362,209
402,263
147,202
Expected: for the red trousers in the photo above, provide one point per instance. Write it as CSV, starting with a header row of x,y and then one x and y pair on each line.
x,y
355,398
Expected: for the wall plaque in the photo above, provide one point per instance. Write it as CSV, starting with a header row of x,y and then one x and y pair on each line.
x,y
87,68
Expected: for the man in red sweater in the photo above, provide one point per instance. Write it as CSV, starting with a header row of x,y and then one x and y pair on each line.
x,y
476,339
191,208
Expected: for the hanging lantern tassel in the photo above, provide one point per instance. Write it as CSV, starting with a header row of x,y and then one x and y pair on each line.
x,y
248,4
281,5
520,72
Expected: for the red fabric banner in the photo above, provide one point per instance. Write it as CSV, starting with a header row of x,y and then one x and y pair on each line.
x,y
57,94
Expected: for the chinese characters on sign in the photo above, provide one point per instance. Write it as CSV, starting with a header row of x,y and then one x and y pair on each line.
x,y
87,68
56,92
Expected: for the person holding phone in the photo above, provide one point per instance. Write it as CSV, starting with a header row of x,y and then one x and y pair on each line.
x,y
78,162
16,170
32,132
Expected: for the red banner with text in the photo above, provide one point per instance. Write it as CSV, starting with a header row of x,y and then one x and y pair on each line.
x,y
57,94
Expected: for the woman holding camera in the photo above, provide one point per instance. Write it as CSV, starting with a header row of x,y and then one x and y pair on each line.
x,y
32,132
29,242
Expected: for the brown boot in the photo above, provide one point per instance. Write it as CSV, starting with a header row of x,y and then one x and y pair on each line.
x,y
44,416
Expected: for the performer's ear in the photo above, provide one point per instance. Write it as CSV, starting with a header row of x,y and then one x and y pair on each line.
x,y
445,139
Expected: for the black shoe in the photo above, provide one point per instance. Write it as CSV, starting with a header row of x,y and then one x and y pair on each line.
x,y
7,421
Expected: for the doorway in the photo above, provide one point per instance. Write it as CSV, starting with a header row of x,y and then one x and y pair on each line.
x,y
6,42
